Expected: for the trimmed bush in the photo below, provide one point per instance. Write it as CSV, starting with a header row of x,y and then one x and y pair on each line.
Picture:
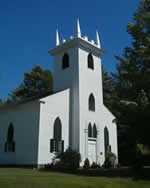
x,y
94,165
110,160
118,165
69,160
86,164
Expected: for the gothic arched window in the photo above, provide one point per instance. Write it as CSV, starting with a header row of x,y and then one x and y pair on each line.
x,y
57,129
106,139
94,131
89,130
91,102
10,133
65,61
57,144
90,61
10,144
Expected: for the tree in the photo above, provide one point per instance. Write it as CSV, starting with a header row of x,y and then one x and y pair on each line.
x,y
8,101
132,81
36,83
134,68
1,101
109,94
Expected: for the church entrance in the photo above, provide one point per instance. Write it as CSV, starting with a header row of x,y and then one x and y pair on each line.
x,y
92,151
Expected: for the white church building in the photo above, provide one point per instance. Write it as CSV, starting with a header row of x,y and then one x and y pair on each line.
x,y
32,132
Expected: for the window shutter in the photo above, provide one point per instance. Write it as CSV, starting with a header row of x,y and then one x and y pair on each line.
x,y
62,146
59,146
109,148
13,147
51,145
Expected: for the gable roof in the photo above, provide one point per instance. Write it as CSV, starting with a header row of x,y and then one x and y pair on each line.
x,y
30,99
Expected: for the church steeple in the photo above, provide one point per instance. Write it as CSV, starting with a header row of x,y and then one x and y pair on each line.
x,y
79,40
57,38
78,32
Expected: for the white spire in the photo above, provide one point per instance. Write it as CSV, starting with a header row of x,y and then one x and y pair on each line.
x,y
57,38
78,34
97,40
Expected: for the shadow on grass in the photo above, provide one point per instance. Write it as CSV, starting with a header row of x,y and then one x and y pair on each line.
x,y
142,174
124,172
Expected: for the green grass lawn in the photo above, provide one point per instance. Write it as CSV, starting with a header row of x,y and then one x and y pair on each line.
x,y
30,178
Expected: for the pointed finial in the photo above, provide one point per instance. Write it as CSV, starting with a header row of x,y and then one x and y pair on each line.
x,y
78,34
57,38
97,40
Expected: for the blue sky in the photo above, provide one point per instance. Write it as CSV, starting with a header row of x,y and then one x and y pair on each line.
x,y
27,32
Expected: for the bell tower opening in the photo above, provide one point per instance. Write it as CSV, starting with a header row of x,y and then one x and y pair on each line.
x,y
65,61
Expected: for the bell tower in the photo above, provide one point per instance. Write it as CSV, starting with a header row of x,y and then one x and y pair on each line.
x,y
77,65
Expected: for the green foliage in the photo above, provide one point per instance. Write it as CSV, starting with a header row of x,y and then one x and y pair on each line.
x,y
143,149
107,163
69,160
134,68
8,101
110,160
36,83
118,165
86,164
1,102
137,164
94,165
142,99
132,86
109,94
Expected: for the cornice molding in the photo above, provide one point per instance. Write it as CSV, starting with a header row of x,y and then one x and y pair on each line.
x,y
77,42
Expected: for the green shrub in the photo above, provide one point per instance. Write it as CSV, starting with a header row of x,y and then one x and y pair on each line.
x,y
94,165
69,160
86,164
118,165
138,161
110,160
107,163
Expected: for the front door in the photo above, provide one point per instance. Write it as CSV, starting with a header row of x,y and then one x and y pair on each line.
x,y
92,151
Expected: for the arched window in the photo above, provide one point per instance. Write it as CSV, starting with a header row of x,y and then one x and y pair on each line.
x,y
91,102
94,131
57,144
57,129
10,144
89,130
65,61
10,133
90,61
106,139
